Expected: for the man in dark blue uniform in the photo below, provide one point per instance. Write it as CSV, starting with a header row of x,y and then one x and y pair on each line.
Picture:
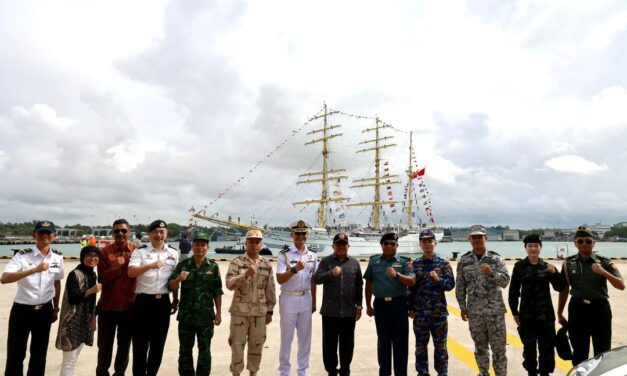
x,y
387,278
427,305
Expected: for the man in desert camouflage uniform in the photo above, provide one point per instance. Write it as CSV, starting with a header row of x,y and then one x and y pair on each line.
x,y
201,288
251,277
481,274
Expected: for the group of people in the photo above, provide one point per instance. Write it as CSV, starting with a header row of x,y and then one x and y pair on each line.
x,y
140,288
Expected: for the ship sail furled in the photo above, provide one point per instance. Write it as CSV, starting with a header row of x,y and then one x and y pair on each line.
x,y
377,180
326,174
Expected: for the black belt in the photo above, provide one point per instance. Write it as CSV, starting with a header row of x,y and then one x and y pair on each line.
x,y
154,296
34,307
589,301
390,298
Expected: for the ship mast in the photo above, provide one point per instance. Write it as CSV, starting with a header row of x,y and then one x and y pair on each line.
x,y
325,174
410,173
378,179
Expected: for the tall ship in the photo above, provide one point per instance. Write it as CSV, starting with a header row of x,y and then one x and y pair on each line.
x,y
332,202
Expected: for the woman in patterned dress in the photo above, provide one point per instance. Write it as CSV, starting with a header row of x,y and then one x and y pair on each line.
x,y
78,321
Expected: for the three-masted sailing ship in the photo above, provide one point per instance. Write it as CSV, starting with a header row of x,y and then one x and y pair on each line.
x,y
363,241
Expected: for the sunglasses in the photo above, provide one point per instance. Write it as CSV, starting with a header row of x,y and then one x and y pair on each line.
x,y
585,241
120,230
389,244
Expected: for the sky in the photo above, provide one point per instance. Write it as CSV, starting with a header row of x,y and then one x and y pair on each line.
x,y
146,109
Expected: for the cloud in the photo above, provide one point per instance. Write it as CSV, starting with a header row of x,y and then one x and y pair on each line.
x,y
574,164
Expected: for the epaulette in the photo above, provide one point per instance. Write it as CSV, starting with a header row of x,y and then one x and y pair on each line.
x,y
374,256
604,258
143,246
284,250
493,253
404,257
174,248
25,251
57,252
467,253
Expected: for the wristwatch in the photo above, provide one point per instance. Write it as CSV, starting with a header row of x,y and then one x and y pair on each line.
x,y
293,270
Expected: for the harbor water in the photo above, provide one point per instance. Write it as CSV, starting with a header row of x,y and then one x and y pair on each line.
x,y
507,249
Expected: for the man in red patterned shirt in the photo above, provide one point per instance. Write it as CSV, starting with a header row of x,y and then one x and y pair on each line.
x,y
116,298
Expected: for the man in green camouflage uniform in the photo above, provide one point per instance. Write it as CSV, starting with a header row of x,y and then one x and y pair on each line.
x,y
251,277
201,288
481,274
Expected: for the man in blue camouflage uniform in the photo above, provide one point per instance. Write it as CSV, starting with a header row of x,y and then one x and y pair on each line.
x,y
427,305
201,289
387,278
481,275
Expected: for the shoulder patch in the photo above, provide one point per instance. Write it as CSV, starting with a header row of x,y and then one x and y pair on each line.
x,y
57,252
604,258
25,251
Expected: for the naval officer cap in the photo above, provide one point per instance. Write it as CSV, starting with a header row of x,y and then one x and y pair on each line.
x,y
389,236
44,226
254,234
300,226
477,230
201,235
156,225
426,234
340,238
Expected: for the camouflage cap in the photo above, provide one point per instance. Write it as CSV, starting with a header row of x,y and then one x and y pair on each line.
x,y
477,230
201,235
254,234
583,232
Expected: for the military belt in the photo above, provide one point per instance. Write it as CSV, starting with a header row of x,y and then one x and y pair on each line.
x,y
154,296
390,298
295,293
589,301
36,307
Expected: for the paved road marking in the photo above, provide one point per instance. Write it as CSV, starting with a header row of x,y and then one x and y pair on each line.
x,y
466,356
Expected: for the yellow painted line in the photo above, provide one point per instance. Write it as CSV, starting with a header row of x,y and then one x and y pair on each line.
x,y
515,340
466,356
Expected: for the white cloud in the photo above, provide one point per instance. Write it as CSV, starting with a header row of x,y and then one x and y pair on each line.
x,y
575,164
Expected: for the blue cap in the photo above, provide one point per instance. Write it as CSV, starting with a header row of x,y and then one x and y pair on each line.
x,y
426,234
44,226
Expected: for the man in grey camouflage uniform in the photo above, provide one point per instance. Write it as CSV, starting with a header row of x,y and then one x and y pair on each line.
x,y
480,277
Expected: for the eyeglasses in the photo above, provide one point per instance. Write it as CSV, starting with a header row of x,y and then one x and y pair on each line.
x,y
120,230
585,241
389,244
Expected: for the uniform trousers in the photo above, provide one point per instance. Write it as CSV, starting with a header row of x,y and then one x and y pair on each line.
x,y
244,330
26,320
585,320
488,333
188,332
390,318
151,320
295,316
541,335
108,322
338,330
438,329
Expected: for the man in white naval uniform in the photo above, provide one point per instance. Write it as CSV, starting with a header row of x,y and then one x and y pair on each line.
x,y
38,272
152,264
296,268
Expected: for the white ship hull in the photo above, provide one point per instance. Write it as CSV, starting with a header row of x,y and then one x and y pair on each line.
x,y
277,240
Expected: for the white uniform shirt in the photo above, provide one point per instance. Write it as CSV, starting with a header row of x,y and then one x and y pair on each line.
x,y
37,288
154,281
301,281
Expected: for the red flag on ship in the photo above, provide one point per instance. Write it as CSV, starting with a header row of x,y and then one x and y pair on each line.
x,y
418,173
